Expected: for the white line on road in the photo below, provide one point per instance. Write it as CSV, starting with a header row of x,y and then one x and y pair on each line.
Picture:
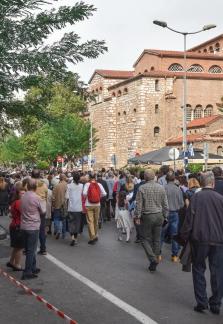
x,y
141,317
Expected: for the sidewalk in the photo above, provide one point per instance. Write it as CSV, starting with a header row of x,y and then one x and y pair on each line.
x,y
4,224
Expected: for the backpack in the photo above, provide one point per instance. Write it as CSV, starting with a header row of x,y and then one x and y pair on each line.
x,y
94,193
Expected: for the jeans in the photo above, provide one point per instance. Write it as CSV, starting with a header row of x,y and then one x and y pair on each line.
x,y
42,233
59,222
31,242
172,229
151,231
200,252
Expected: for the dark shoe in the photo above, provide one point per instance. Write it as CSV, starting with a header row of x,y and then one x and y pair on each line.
x,y
42,252
9,265
95,239
91,242
49,233
29,276
138,241
200,308
72,243
153,265
215,309
36,271
57,236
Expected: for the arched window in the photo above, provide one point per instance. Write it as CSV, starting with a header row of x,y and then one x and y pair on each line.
x,y
119,93
157,85
175,67
198,112
195,68
156,131
119,113
124,112
220,150
125,90
205,50
217,47
189,113
100,88
113,94
215,69
97,90
134,110
146,71
208,111
211,50
152,68
156,109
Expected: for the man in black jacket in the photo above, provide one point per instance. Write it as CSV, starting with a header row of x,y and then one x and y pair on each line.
x,y
203,226
218,180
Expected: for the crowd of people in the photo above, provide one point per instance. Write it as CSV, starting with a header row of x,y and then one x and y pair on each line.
x,y
185,211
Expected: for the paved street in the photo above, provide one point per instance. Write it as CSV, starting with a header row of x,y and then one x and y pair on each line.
x,y
166,296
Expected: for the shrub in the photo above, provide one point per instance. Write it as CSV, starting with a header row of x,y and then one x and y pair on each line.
x,y
42,165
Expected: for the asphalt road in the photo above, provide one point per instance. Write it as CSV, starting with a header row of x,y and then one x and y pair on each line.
x,y
121,268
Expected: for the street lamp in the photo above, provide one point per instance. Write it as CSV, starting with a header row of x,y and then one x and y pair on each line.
x,y
206,27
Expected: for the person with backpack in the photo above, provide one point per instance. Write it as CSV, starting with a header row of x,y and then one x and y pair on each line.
x,y
93,191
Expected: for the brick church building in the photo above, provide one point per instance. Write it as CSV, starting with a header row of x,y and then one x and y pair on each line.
x,y
141,110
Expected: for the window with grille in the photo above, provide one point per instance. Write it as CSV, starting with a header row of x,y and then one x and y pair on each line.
x,y
156,131
175,67
198,112
195,68
189,113
208,111
215,69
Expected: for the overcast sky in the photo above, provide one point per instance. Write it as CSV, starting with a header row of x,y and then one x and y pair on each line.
x,y
127,28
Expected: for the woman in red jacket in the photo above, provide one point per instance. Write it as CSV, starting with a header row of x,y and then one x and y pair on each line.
x,y
16,237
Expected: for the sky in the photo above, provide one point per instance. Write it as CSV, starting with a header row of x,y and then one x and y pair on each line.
x,y
127,27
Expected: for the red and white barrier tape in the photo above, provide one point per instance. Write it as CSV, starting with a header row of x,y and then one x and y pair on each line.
x,y
39,298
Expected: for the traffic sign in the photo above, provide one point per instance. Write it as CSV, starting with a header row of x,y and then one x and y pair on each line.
x,y
174,153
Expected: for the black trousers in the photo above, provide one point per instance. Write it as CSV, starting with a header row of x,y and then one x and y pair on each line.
x,y
214,254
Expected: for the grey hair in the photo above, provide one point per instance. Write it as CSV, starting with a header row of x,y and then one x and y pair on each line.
x,y
149,175
207,179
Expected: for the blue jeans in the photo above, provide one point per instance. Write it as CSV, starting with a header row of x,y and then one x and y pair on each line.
x,y
59,222
31,242
172,229
200,252
42,233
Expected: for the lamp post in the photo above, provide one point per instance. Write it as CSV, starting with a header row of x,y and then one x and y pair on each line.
x,y
206,27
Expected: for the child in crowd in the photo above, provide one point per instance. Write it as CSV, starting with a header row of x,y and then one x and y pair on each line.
x,y
122,217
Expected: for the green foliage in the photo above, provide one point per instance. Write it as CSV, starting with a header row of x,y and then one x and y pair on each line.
x,y
68,135
42,165
12,150
195,167
25,27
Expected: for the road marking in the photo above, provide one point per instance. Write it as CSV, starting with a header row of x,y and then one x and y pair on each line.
x,y
141,317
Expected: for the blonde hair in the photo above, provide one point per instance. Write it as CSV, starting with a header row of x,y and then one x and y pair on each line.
x,y
193,183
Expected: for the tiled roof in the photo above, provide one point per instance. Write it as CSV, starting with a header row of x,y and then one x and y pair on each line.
x,y
207,42
170,74
165,53
202,121
113,74
190,138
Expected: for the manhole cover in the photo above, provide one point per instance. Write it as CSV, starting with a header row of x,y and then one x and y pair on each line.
x,y
4,251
